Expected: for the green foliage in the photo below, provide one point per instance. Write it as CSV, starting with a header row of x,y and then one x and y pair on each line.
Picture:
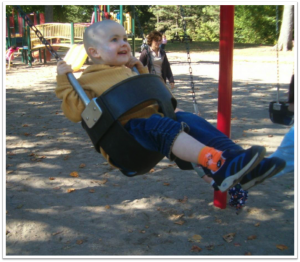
x,y
61,13
144,15
73,13
208,26
252,23
255,24
26,8
166,19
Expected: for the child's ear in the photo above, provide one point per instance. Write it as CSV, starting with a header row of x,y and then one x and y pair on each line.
x,y
93,52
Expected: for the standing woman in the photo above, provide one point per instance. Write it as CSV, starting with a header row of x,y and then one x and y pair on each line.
x,y
156,58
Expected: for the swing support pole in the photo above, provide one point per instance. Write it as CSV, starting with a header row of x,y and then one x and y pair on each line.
x,y
225,82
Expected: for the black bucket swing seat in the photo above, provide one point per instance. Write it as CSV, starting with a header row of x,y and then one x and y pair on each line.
x,y
106,132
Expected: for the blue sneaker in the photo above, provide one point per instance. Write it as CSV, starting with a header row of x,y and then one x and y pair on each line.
x,y
237,164
267,168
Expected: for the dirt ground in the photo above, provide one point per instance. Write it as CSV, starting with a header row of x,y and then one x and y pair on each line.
x,y
63,199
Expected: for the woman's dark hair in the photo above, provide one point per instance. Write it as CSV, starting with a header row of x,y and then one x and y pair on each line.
x,y
154,35
13,47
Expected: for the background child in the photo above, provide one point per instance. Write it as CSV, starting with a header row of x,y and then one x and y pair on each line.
x,y
10,52
186,138
163,42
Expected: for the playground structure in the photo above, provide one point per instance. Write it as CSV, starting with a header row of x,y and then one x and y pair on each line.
x,y
61,35
17,32
102,12
15,29
58,35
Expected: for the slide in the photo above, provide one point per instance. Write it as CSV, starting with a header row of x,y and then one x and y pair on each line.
x,y
76,56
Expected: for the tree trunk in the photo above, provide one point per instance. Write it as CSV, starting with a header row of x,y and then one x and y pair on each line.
x,y
48,13
285,41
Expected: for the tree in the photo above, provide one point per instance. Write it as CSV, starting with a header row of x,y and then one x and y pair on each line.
x,y
285,41
167,18
26,8
208,24
142,14
255,24
48,13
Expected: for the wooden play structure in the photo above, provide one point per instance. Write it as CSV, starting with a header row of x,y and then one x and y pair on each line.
x,y
15,27
63,35
59,35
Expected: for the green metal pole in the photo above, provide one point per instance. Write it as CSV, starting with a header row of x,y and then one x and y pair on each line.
x,y
24,41
38,22
8,43
38,17
108,9
72,33
121,15
133,30
29,47
95,14
16,22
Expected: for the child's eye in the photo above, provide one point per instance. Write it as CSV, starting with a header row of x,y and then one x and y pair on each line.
x,y
114,39
125,39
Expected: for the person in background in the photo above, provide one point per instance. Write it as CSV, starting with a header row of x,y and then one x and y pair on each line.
x,y
163,42
156,58
10,53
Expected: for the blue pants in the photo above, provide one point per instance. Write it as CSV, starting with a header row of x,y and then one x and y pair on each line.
x,y
286,152
159,133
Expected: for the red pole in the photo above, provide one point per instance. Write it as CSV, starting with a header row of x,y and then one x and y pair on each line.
x,y
20,22
225,82
42,18
34,18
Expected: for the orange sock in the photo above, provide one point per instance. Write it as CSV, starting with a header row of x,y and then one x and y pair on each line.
x,y
211,158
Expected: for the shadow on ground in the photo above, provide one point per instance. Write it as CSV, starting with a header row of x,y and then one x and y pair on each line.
x,y
106,213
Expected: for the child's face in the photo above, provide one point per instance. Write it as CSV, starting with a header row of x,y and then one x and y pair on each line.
x,y
113,49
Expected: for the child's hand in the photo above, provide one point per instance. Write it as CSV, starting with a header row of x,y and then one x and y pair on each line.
x,y
133,61
63,68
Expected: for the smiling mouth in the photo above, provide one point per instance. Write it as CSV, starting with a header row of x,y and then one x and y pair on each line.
x,y
122,53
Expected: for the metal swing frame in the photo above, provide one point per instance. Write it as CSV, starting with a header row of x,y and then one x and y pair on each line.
x,y
278,110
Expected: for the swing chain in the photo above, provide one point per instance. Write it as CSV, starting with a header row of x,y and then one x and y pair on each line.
x,y
196,109
38,33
